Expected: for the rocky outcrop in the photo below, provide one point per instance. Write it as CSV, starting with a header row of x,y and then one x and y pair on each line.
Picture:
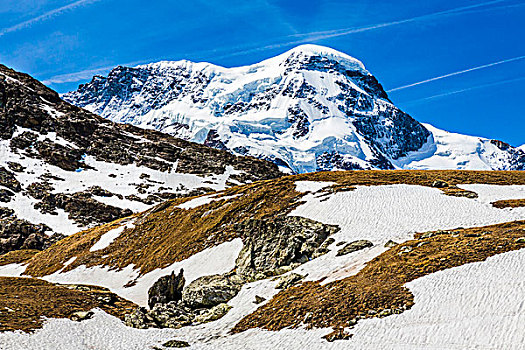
x,y
16,234
271,247
11,184
270,244
176,344
166,289
288,280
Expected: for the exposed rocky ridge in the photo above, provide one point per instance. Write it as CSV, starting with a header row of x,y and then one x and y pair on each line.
x,y
311,108
53,154
271,244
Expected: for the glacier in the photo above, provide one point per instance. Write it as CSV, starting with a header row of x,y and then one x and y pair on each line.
x,y
309,109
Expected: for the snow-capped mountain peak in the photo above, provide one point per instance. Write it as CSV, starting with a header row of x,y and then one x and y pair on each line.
x,y
311,108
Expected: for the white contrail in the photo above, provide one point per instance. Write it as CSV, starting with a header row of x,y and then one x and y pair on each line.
x,y
45,16
457,73
316,36
351,30
454,92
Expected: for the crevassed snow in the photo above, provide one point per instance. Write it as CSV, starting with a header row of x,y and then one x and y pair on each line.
x,y
447,150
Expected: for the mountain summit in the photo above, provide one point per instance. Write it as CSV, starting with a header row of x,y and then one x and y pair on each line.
x,y
311,108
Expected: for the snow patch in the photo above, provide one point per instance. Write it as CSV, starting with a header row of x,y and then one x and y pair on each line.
x,y
311,186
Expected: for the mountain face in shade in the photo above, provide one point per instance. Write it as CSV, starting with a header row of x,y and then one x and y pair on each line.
x,y
63,168
311,108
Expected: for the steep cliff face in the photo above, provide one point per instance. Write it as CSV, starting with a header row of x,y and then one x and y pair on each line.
x,y
68,168
309,109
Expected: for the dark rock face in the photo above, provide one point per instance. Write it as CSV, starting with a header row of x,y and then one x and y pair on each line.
x,y
402,136
6,212
282,241
80,206
166,289
18,234
176,344
333,160
517,156
8,180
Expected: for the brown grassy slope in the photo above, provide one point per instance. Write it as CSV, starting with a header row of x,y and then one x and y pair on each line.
x,y
24,301
380,285
169,234
17,256
509,203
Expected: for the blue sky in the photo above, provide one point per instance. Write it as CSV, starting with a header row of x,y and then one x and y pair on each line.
x,y
64,43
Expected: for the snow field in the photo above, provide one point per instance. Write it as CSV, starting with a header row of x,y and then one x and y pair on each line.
x,y
474,306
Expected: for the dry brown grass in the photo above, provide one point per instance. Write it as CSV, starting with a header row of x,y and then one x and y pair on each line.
x,y
163,237
509,203
17,256
380,285
24,301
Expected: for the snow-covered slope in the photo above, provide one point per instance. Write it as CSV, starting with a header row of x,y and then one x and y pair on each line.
x,y
69,169
311,108
446,150
465,307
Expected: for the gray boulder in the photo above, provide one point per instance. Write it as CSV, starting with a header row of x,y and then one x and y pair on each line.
x,y
208,291
171,315
354,247
139,318
214,313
